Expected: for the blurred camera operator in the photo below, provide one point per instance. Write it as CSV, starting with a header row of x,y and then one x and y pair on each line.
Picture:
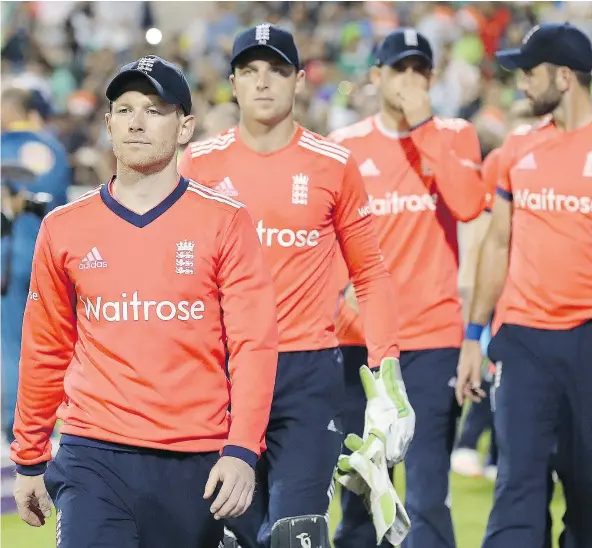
x,y
35,176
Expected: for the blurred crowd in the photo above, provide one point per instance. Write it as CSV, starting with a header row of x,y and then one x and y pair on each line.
x,y
68,50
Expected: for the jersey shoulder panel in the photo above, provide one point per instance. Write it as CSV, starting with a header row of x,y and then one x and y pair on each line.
x,y
526,137
213,145
323,147
353,131
527,129
451,124
75,207
209,198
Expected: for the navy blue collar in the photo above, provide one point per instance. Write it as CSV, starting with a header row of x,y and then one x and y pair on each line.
x,y
143,220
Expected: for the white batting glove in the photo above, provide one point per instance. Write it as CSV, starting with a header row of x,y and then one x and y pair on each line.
x,y
388,410
365,472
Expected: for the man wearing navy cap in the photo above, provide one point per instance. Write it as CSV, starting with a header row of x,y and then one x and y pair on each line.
x,y
535,265
306,196
141,385
423,174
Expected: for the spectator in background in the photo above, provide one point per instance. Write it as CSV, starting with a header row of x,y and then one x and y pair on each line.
x,y
456,83
65,49
219,119
26,144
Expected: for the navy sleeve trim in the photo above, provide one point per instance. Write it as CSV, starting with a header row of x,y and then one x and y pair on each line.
x,y
32,469
504,194
240,453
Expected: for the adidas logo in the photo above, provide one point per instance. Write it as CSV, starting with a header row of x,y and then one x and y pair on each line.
x,y
226,187
92,260
368,168
528,162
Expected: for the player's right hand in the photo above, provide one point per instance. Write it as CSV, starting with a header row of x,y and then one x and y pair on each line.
x,y
32,500
238,485
468,373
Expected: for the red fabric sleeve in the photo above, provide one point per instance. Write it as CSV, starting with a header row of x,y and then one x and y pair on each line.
x,y
452,151
372,282
250,322
49,336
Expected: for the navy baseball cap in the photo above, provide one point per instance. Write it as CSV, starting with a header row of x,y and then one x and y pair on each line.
x,y
560,44
168,81
402,43
267,36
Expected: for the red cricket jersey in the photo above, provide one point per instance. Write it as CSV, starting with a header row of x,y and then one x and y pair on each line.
x,y
304,198
420,184
126,321
547,174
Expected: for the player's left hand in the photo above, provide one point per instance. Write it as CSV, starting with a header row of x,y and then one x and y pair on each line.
x,y
365,472
238,485
388,410
468,373
415,104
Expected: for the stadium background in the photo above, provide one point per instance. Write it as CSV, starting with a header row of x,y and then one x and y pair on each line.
x,y
68,51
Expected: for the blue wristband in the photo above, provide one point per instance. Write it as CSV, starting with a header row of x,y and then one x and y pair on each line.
x,y
473,332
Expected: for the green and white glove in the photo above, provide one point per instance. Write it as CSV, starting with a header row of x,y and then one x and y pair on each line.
x,y
365,472
388,410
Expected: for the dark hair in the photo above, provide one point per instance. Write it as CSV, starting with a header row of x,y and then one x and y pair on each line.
x,y
584,79
21,97
253,54
29,100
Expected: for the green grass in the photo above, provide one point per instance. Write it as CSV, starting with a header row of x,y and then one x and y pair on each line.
x,y
471,501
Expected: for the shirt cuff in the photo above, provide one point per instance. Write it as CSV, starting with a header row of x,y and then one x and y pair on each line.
x,y
241,453
31,469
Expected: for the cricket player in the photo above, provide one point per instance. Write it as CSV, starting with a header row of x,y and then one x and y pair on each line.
x,y
538,256
465,459
136,287
423,176
306,195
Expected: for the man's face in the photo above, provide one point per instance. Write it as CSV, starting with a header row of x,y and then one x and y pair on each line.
x,y
145,131
11,112
413,71
540,86
265,85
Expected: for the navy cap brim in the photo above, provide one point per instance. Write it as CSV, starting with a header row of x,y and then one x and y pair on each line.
x,y
390,61
513,59
261,46
17,173
118,83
